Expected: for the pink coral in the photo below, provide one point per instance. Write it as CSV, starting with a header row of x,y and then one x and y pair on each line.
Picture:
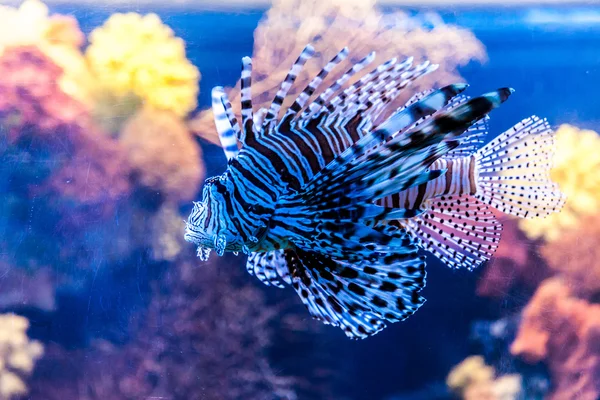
x,y
96,177
564,332
576,256
513,263
29,92
90,170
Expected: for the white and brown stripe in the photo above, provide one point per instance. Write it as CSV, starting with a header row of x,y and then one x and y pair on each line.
x,y
460,178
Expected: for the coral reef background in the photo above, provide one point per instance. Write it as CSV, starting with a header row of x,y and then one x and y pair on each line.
x,y
106,137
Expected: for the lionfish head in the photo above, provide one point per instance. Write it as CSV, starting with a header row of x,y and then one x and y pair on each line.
x,y
208,225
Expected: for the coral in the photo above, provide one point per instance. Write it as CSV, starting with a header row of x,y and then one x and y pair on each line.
x,y
472,379
564,332
166,238
63,40
49,129
30,94
138,54
508,387
45,121
577,161
19,288
575,256
164,154
93,181
18,355
515,262
204,336
332,24
493,339
24,25
64,29
57,36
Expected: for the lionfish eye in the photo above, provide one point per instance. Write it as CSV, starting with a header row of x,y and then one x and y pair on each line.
x,y
211,180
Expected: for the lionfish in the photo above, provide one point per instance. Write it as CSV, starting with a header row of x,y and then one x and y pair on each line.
x,y
331,201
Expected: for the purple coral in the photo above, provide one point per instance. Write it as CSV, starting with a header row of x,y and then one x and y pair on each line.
x,y
204,336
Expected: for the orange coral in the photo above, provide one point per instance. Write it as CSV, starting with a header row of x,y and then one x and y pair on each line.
x,y
331,25
64,29
576,256
564,332
164,154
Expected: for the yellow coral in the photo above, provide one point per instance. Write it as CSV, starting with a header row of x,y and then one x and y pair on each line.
x,y
23,25
166,240
473,379
59,37
576,166
18,355
472,370
138,54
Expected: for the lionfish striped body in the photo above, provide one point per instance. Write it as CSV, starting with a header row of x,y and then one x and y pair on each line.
x,y
334,202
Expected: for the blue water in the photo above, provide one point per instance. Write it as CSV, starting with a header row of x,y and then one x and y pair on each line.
x,y
554,67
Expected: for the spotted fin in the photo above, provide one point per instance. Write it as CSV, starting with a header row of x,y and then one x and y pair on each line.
x,y
269,267
389,161
459,230
514,171
357,297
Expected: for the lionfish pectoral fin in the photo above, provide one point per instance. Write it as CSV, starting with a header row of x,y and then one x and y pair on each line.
x,y
460,230
269,267
220,244
513,171
358,297
474,137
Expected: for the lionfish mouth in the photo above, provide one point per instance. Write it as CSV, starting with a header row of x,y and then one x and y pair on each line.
x,y
203,250
190,236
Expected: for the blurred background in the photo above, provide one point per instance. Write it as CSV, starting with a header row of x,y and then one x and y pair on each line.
x,y
106,138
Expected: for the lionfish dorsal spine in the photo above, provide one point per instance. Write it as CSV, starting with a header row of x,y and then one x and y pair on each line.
x,y
287,83
225,122
246,99
317,105
314,84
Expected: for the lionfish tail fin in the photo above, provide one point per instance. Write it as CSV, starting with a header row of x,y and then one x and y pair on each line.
x,y
514,171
